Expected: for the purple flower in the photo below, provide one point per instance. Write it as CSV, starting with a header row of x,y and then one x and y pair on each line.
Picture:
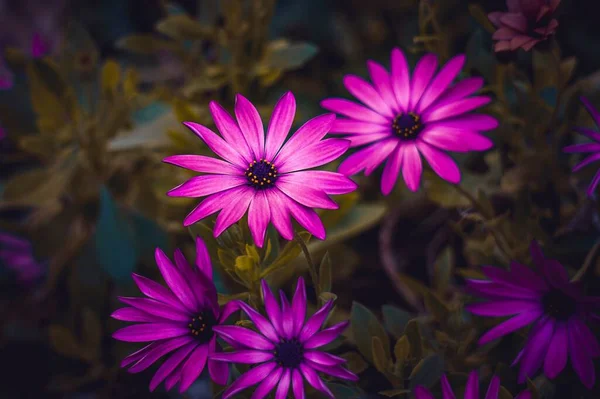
x,y
556,309
178,320
16,254
593,148
404,118
471,390
265,176
526,23
284,349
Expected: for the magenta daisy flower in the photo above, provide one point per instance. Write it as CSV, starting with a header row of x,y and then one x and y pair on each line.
x,y
593,148
284,350
556,309
178,320
265,176
526,23
471,390
403,118
16,254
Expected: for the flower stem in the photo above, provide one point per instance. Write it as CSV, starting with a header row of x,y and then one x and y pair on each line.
x,y
587,263
312,269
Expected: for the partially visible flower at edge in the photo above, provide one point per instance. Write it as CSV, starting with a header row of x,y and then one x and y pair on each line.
x,y
588,147
555,308
471,389
284,349
266,176
526,23
16,254
404,117
178,320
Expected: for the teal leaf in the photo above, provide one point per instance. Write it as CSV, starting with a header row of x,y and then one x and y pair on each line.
x,y
344,391
291,56
365,326
115,243
395,320
427,371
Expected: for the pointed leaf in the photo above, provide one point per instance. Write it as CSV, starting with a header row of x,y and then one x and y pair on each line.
x,y
355,362
427,371
381,359
111,76
325,273
395,319
436,307
413,335
365,325
402,350
183,27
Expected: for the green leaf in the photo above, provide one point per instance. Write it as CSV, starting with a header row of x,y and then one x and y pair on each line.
x,y
481,17
402,350
183,27
284,55
289,253
272,243
355,362
436,307
111,76
343,391
244,263
145,44
47,93
503,393
427,371
114,239
64,342
325,273
414,338
365,325
484,201
36,187
395,320
327,296
390,393
381,359
444,266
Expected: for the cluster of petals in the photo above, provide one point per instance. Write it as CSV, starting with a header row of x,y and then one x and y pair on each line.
x,y
404,117
264,175
554,307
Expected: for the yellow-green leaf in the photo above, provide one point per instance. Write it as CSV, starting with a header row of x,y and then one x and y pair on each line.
x,y
436,307
380,357
47,103
327,296
288,253
391,393
355,362
130,83
244,263
504,393
402,350
365,326
444,265
325,273
252,253
414,338
182,27
111,76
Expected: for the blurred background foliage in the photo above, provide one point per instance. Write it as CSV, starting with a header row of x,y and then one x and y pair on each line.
x,y
89,122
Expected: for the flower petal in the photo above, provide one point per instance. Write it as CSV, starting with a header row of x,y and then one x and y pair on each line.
x,y
203,261
591,110
156,308
588,160
233,211
383,84
326,336
586,338
472,388
458,91
502,308
251,377
313,379
367,94
262,324
423,393
217,144
424,71
335,371
308,219
230,130
139,354
297,384
331,183
493,389
251,125
581,359
178,285
586,147
441,163
157,351
536,348
280,216
245,337
154,290
354,111
258,218
313,155
135,315
400,78
199,186
315,322
455,109
149,332
202,164
510,325
308,134
215,203
193,367
342,125
267,385
170,364
556,357
592,134
475,122
218,371
555,273
271,307
492,290
446,388
391,170
323,358
441,82
412,167
368,158
280,124
305,194
458,140
284,385
287,319
299,307
243,356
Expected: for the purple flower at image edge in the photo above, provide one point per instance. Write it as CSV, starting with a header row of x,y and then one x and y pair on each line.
x,y
16,254
404,118
471,389
284,349
266,176
556,309
177,320
593,148
526,23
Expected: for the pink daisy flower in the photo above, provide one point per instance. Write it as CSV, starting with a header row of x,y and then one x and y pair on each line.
x,y
403,118
177,320
264,175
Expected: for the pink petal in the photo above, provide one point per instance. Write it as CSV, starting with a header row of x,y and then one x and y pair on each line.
x,y
594,135
585,336
358,140
523,276
555,273
203,261
336,371
455,109
287,319
446,388
297,385
200,163
493,290
440,162
383,84
170,364
307,218
400,77
227,310
451,139
215,203
156,291
251,377
261,323
173,378
156,308
243,356
280,124
139,354
315,322
38,47
233,211
218,371
581,359
502,308
313,379
423,393
536,349
392,170
424,71
230,130
353,111
323,358
280,216
267,385
510,326
342,125
305,195
472,388
458,91
272,307
150,332
284,385
159,350
135,315
493,389
587,161
590,109
368,158
199,186
178,285
367,94
308,134
441,82
217,144
245,337
515,21
313,155
472,122
556,357
193,367
299,307
411,167
326,336
329,182
251,125
259,215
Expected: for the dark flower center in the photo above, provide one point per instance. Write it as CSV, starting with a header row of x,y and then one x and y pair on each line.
x,y
289,354
261,174
559,305
201,326
407,126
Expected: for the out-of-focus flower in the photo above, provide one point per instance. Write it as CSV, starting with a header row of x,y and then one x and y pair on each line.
x,y
284,347
16,254
404,118
526,23
267,177
471,390
593,148
178,320
556,309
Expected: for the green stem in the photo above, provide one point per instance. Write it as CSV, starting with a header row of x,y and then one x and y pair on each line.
x,y
312,269
587,263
